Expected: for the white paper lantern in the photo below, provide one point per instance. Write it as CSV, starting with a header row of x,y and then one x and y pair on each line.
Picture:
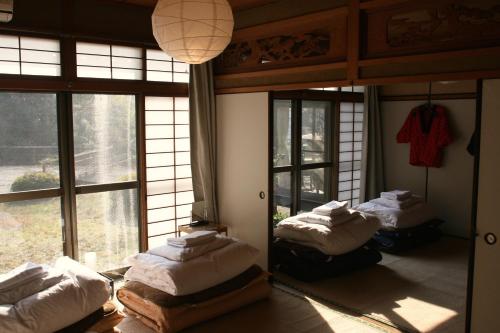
x,y
193,31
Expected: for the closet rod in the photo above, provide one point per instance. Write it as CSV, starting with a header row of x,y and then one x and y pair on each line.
x,y
425,97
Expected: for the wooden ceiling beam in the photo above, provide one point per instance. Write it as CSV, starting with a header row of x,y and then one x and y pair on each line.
x,y
236,5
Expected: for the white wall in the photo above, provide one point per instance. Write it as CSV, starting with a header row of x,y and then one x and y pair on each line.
x,y
450,187
242,129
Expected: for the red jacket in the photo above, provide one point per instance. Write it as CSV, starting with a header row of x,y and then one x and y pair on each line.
x,y
426,129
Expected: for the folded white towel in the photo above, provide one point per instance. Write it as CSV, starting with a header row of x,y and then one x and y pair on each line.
x,y
188,253
331,209
193,239
348,216
396,195
21,275
405,204
328,221
315,218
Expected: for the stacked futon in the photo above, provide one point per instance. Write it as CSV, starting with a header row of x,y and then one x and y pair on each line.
x,y
66,298
326,242
406,221
192,279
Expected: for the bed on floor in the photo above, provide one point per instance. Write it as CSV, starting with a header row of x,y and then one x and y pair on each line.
x,y
406,221
179,284
329,241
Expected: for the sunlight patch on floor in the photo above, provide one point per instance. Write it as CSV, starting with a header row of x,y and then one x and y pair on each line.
x,y
421,315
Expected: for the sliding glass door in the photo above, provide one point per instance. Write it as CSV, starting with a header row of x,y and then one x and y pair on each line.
x,y
316,141
302,155
69,178
105,169
30,212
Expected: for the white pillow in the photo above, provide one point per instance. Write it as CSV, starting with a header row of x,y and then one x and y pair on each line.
x,y
183,278
336,240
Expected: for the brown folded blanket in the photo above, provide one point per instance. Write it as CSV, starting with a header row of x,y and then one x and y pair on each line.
x,y
173,319
165,300
112,317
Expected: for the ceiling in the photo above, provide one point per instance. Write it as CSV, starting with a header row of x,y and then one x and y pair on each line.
x,y
235,4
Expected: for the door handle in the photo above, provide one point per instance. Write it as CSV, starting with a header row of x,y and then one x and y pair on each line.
x,y
490,238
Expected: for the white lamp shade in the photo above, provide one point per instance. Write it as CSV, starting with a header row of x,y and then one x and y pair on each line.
x,y
193,31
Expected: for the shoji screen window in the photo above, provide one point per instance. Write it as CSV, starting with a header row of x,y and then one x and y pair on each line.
x,y
29,56
168,167
350,146
108,61
161,67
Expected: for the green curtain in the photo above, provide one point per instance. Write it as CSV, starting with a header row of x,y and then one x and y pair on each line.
x,y
203,128
372,164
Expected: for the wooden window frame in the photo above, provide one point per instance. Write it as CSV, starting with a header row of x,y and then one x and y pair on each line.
x,y
64,87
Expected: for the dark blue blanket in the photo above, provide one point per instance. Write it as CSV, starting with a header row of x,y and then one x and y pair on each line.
x,y
396,241
308,264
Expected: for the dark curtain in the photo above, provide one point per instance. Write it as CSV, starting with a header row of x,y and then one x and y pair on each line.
x,y
372,165
203,127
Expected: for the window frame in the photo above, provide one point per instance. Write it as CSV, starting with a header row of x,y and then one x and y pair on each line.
x,y
296,167
64,86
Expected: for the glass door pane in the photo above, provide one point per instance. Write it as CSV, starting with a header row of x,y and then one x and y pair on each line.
x,y
104,138
315,188
29,152
108,228
282,195
104,130
316,131
30,230
282,133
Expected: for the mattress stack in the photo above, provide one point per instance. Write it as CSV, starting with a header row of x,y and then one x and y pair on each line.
x,y
327,242
192,279
66,298
406,221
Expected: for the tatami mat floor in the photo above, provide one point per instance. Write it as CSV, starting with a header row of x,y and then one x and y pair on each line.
x,y
423,290
286,311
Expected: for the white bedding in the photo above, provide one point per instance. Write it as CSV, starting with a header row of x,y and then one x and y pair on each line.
x,y
187,253
79,293
183,278
393,218
328,221
21,275
398,204
331,208
336,240
193,239
28,288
